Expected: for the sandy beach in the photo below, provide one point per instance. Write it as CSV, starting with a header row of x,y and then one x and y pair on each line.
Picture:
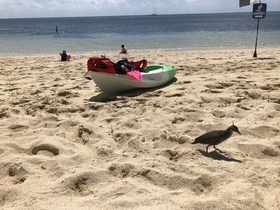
x,y
66,145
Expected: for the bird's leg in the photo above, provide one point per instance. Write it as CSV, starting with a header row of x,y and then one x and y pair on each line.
x,y
207,148
218,149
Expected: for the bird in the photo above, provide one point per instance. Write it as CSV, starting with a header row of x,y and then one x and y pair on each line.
x,y
216,137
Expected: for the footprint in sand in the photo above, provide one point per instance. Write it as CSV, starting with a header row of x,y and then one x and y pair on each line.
x,y
45,149
198,185
259,151
84,183
122,170
39,149
16,172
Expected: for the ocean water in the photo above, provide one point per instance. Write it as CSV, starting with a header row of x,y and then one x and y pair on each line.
x,y
29,36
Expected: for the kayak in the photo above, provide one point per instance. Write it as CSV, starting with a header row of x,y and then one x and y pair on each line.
x,y
153,76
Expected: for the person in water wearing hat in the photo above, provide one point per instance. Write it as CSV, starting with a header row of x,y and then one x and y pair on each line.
x,y
123,50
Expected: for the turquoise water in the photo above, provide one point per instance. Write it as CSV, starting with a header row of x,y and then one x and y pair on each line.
x,y
138,33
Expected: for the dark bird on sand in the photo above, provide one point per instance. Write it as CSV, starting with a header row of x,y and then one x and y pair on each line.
x,y
216,137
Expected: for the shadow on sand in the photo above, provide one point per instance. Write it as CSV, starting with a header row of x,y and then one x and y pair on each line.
x,y
267,58
103,98
218,156
262,58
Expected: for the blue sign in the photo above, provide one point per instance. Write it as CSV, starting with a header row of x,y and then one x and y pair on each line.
x,y
259,11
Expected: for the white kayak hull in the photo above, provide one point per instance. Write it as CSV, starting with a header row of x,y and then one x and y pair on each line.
x,y
154,76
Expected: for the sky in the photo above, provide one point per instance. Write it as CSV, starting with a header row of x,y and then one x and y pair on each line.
x,y
78,8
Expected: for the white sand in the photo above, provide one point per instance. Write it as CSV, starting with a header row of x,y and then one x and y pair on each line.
x,y
66,145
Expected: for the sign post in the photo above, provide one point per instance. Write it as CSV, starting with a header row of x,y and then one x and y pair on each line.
x,y
259,12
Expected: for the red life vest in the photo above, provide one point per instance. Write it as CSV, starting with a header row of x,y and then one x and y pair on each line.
x,y
101,64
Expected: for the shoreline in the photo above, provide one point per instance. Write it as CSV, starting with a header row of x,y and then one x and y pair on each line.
x,y
146,51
